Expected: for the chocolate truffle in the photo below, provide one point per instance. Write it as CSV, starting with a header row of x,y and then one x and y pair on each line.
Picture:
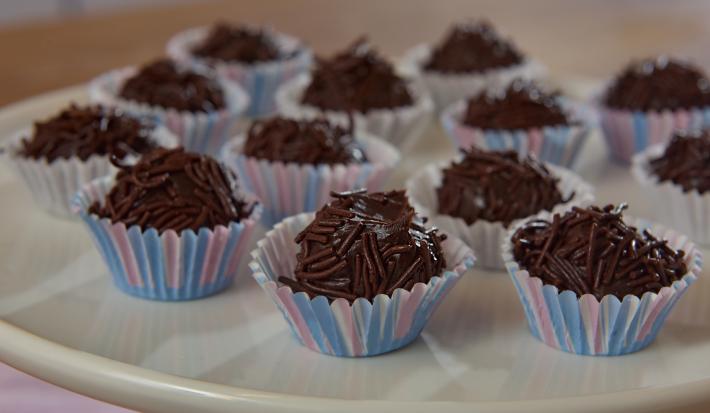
x,y
162,83
522,105
84,131
240,44
659,84
686,161
364,244
170,189
357,79
592,251
472,47
308,142
496,187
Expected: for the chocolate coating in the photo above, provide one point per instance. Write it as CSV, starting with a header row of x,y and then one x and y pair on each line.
x,y
84,131
364,244
356,79
686,161
305,142
162,83
472,47
496,187
659,84
523,105
174,189
240,44
592,251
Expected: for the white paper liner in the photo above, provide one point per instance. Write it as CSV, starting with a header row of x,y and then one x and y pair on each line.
x,y
399,126
585,325
53,185
340,328
688,212
446,89
558,145
260,80
484,237
203,132
286,189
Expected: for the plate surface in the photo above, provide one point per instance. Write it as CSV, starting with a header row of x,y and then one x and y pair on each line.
x,y
63,321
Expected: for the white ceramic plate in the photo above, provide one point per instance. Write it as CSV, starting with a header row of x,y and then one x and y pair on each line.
x,y
63,321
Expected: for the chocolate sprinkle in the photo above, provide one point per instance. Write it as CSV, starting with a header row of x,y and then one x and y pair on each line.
x,y
364,244
170,189
592,251
84,131
497,187
163,84
522,105
241,44
472,47
659,84
686,161
356,80
308,142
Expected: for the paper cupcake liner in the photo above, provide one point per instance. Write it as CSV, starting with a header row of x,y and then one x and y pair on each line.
x,y
362,328
52,185
286,189
630,132
688,212
167,266
484,237
400,126
203,132
259,80
558,145
446,89
587,326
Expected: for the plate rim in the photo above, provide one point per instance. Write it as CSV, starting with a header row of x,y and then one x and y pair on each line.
x,y
143,389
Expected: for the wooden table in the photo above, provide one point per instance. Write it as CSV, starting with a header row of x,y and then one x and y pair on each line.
x,y
572,37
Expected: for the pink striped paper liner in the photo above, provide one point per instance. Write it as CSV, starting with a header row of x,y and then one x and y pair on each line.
x,y
340,328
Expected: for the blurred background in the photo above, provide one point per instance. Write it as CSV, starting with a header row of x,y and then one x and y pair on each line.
x,y
48,44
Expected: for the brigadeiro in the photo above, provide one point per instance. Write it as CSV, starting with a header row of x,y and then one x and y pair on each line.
x,y
196,104
293,164
172,227
359,82
57,156
471,57
649,100
524,117
258,58
676,182
364,259
480,195
594,283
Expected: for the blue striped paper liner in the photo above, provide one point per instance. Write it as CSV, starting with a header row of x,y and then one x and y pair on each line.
x,y
202,132
359,329
167,266
609,327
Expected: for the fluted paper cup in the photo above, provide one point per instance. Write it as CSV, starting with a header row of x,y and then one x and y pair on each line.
x,y
286,189
344,329
202,132
260,80
399,126
587,326
53,184
484,237
689,211
447,88
170,266
558,145
629,132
